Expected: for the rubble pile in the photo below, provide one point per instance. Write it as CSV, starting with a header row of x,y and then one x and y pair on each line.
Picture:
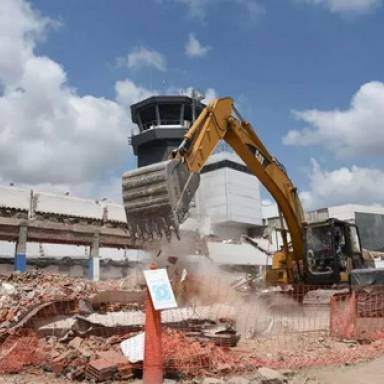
x,y
77,329
191,357
20,294
37,315
102,359
74,328
91,357
21,350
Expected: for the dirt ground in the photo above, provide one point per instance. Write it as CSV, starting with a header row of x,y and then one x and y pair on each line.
x,y
371,372
30,378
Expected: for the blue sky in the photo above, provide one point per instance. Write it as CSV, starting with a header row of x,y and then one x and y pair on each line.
x,y
273,57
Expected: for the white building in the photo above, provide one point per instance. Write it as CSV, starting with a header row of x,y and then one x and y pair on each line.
x,y
368,218
228,199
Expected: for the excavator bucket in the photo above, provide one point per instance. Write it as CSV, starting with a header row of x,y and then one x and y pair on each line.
x,y
157,198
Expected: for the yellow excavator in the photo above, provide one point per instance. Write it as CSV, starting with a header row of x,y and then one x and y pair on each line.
x,y
157,199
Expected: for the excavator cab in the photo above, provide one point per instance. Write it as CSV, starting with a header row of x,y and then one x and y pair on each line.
x,y
332,251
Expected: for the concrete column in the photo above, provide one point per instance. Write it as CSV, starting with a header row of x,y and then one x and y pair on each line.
x,y
94,259
21,249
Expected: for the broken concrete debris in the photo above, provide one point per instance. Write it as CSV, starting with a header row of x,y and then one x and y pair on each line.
x,y
271,376
212,380
75,328
100,370
80,330
7,289
237,380
133,348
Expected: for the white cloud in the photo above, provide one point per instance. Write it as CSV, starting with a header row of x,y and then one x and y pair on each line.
x,y
355,131
209,93
199,8
347,6
193,47
127,92
142,57
20,28
345,185
49,135
110,189
354,185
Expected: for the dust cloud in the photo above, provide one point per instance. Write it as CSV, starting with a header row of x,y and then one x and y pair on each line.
x,y
232,296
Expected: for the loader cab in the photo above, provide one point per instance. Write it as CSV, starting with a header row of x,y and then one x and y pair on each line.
x,y
332,250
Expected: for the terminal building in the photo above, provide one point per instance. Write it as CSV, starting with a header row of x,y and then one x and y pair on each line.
x,y
226,206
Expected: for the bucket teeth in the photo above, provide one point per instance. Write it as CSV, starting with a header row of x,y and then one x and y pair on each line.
x,y
156,199
157,228
150,231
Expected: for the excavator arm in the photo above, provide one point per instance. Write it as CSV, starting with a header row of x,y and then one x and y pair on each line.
x,y
156,197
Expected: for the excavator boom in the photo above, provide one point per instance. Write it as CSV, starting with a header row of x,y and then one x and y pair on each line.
x,y
157,197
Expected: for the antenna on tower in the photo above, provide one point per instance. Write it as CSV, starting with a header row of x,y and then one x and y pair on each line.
x,y
197,96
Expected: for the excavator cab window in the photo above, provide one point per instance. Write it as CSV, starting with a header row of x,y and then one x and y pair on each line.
x,y
320,250
340,247
354,239
332,247
355,247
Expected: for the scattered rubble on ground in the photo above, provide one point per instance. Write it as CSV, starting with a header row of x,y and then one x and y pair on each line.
x,y
271,376
73,329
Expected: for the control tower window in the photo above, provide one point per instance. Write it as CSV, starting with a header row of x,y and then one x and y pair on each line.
x,y
170,114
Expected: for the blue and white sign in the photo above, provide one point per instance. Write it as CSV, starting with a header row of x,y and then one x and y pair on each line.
x,y
160,289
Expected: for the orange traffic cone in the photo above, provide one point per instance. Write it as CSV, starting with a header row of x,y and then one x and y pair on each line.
x,y
153,359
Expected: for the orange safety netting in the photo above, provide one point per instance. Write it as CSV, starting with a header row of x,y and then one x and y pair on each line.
x,y
186,355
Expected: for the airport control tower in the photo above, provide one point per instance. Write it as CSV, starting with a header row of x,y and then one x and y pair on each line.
x,y
162,123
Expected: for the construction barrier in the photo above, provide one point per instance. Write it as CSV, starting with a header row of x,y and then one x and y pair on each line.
x,y
358,315
153,357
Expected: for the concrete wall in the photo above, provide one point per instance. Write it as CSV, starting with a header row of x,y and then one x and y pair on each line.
x,y
342,212
237,254
371,227
36,250
109,269
318,215
228,200
72,260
